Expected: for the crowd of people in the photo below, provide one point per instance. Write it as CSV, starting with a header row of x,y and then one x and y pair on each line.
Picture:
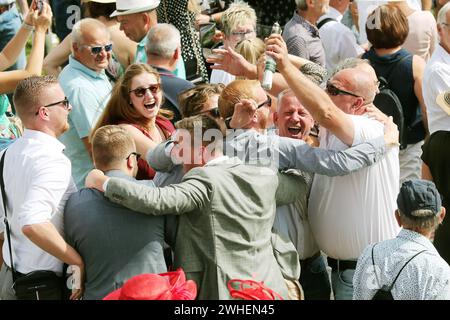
x,y
134,160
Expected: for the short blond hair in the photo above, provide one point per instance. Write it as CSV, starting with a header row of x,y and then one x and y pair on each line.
x,y
111,144
233,93
251,49
28,93
239,12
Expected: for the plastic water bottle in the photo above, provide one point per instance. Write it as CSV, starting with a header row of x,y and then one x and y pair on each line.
x,y
271,65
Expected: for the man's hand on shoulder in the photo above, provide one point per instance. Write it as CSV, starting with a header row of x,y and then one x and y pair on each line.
x,y
95,179
391,134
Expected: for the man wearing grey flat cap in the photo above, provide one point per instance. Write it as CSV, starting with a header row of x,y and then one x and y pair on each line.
x,y
407,267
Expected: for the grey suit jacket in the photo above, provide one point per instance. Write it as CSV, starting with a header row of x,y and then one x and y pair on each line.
x,y
115,242
227,211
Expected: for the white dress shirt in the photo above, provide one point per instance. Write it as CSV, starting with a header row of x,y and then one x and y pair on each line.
x,y
338,41
38,183
348,213
426,277
436,79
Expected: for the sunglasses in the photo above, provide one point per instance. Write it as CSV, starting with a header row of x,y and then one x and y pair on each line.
x,y
140,92
242,34
97,49
334,91
268,103
64,103
137,155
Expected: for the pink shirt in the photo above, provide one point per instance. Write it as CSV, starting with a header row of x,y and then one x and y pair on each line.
x,y
422,37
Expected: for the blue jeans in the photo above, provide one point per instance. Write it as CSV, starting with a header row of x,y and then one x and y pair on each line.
x,y
342,282
314,280
10,22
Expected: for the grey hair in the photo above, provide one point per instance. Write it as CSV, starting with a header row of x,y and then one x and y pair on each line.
x,y
301,4
441,17
84,25
162,40
426,220
282,94
348,63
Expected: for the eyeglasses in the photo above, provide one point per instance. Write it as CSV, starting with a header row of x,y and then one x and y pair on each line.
x,y
334,91
445,24
140,92
65,104
97,49
137,155
268,102
242,34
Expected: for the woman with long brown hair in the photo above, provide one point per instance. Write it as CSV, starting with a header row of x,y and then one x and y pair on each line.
x,y
135,105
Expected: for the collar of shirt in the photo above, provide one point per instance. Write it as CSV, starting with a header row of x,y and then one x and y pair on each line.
x,y
115,173
79,66
44,138
417,238
443,54
312,29
331,13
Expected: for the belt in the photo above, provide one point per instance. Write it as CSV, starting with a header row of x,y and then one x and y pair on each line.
x,y
6,7
341,264
305,262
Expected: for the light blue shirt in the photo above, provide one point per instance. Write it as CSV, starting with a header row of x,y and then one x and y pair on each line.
x,y
141,57
426,277
88,93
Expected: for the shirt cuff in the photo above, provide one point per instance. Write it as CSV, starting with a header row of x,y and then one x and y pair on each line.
x,y
105,184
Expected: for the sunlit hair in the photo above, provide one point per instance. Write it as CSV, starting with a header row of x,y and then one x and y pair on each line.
x,y
201,124
110,145
442,15
387,27
192,100
29,92
85,25
238,13
119,108
233,93
301,4
251,49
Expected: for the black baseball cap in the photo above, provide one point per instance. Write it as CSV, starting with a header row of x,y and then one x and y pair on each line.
x,y
417,195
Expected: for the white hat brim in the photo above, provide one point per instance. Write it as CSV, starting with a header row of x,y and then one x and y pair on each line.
x,y
443,100
131,11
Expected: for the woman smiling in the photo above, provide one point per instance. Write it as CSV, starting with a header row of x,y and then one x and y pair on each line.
x,y
135,105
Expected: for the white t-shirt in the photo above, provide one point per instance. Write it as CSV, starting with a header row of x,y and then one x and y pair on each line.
x,y
220,76
347,213
436,79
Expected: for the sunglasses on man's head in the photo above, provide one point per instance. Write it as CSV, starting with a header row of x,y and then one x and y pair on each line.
x,y
334,91
140,92
97,49
137,155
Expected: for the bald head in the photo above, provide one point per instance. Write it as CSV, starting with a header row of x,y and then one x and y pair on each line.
x,y
360,80
88,26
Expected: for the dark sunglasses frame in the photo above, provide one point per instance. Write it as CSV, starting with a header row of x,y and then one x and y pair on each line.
x,y
64,102
334,91
268,102
138,156
140,92
214,112
95,50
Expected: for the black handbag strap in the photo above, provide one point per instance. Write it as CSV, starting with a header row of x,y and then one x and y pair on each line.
x,y
8,229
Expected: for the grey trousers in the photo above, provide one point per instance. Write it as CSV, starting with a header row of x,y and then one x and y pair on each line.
x,y
6,282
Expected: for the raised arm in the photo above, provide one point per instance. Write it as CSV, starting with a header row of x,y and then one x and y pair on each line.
x,y
56,58
15,46
318,103
9,80
295,154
